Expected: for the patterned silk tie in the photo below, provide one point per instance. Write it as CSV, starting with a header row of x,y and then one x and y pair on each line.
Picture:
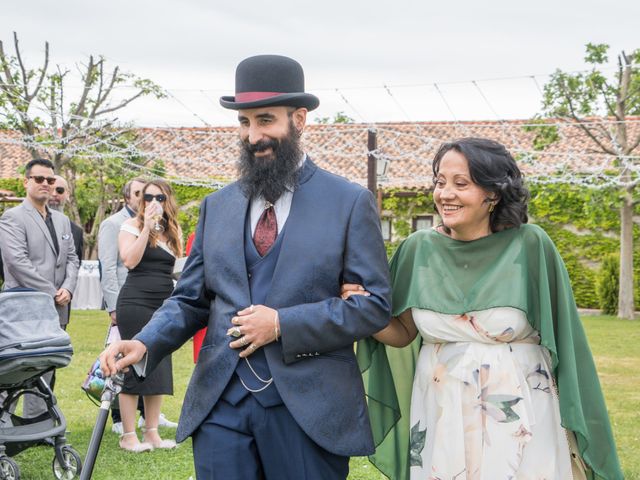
x,y
266,230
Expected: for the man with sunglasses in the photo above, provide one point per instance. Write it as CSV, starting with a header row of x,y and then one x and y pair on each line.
x,y
38,249
113,274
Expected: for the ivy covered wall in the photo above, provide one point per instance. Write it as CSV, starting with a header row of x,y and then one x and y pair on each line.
x,y
189,199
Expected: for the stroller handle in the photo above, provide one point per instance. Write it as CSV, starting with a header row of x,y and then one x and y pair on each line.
x,y
112,387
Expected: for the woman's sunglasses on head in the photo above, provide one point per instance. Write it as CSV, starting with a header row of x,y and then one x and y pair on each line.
x,y
149,197
41,179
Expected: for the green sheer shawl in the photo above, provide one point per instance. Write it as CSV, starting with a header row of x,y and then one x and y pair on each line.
x,y
519,268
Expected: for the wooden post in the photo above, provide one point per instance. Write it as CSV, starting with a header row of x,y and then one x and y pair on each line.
x,y
372,145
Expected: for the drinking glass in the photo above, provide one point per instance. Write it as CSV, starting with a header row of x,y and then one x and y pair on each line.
x,y
157,218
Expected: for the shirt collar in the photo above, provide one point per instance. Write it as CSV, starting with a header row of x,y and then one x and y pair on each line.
x,y
131,212
291,188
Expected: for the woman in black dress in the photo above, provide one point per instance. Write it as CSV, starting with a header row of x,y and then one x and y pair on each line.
x,y
149,244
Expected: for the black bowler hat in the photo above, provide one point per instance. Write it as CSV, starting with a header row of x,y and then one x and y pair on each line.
x,y
269,81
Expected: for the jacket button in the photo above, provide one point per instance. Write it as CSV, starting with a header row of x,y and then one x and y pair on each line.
x,y
249,275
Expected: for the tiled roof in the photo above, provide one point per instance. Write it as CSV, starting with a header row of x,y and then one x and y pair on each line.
x,y
203,154
12,154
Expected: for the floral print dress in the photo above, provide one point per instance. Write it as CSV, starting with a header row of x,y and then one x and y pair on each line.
x,y
484,405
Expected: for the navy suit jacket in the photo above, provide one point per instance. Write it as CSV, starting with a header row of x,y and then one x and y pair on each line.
x,y
332,236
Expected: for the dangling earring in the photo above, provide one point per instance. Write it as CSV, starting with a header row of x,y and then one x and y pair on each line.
x,y
492,205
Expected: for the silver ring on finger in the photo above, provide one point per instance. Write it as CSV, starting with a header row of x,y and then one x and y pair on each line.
x,y
243,341
235,332
252,347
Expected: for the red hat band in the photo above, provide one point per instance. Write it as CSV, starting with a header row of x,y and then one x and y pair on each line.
x,y
255,96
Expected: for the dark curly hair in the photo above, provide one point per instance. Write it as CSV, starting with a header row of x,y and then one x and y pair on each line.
x,y
492,167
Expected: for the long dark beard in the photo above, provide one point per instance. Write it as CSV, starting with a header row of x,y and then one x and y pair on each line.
x,y
270,176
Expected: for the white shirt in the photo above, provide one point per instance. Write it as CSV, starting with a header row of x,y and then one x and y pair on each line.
x,y
282,206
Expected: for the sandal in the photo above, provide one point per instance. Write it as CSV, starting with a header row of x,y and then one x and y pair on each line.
x,y
166,444
138,447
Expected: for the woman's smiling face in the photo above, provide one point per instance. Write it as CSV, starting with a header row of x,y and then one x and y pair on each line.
x,y
461,203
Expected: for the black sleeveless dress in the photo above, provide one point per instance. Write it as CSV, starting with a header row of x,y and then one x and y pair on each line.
x,y
146,287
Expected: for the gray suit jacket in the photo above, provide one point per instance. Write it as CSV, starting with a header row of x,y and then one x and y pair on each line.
x,y
29,256
112,270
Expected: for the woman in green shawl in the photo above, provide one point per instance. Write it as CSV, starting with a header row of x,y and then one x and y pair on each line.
x,y
497,380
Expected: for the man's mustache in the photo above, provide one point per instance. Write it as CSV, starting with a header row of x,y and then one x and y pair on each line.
x,y
261,145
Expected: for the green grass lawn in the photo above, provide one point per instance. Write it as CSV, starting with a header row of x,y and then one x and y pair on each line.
x,y
615,343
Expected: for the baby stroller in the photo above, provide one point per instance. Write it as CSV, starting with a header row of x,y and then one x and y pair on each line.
x,y
32,344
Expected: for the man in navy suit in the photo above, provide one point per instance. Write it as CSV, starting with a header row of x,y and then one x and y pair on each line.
x,y
276,392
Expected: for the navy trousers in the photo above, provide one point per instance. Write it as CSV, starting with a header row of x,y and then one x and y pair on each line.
x,y
247,441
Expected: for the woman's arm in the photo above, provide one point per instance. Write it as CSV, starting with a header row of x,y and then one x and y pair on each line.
x,y
400,332
131,247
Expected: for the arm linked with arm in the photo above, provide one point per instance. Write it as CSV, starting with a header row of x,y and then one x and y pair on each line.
x,y
333,323
400,332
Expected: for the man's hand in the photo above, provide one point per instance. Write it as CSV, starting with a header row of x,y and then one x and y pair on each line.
x,y
258,325
349,289
132,351
63,296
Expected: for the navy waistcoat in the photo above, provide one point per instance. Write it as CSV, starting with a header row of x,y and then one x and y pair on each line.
x,y
260,271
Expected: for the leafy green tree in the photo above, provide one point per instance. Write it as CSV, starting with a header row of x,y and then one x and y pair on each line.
x,y
339,117
81,135
600,105
608,284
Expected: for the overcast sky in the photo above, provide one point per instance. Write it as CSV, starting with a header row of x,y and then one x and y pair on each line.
x,y
349,50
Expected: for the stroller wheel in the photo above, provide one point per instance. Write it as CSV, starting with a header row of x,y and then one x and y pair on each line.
x,y
9,469
73,464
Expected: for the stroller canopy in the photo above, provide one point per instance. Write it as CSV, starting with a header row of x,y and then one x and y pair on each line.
x,y
31,340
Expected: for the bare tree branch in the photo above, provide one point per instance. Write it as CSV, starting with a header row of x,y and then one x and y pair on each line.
x,y
8,85
101,98
587,130
122,104
80,108
23,70
99,94
610,108
8,82
52,107
579,121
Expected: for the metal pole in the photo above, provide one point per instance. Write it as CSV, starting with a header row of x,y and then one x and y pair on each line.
x,y
372,145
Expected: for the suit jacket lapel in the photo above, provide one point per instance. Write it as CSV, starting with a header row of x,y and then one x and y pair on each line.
x,y
231,228
58,225
295,227
39,221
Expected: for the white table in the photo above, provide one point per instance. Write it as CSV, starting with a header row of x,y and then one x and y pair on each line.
x,y
88,294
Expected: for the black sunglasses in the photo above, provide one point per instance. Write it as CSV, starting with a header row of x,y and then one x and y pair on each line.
x,y
40,179
59,190
161,197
